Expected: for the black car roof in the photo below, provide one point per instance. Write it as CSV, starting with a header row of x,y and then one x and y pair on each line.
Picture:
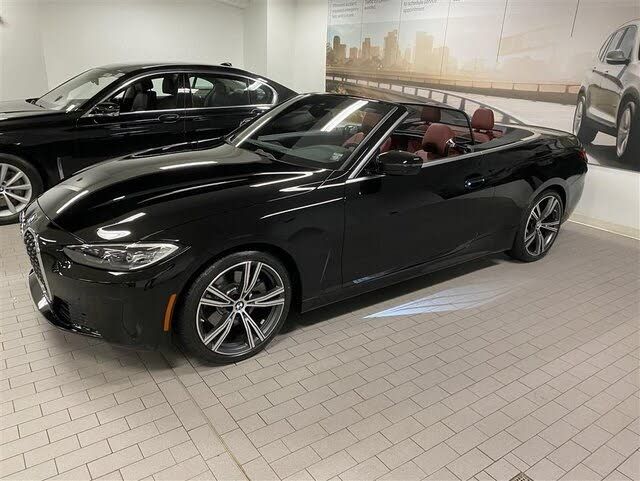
x,y
136,67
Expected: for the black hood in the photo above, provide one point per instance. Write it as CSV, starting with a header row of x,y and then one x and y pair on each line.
x,y
140,190
15,109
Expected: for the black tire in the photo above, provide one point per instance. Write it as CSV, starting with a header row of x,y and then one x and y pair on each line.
x,y
631,152
34,179
521,249
583,128
188,329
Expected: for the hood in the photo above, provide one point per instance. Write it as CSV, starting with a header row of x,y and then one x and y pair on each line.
x,y
129,198
14,109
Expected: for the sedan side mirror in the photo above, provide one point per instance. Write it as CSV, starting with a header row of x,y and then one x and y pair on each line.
x,y
399,162
106,109
616,57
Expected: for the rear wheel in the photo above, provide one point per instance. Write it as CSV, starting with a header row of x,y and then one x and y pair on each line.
x,y
539,228
19,184
235,307
582,127
628,132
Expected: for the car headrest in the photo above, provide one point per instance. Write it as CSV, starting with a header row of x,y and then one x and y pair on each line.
x,y
170,84
370,120
482,119
437,139
430,114
145,84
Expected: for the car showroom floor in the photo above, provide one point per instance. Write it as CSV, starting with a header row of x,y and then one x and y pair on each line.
x,y
482,371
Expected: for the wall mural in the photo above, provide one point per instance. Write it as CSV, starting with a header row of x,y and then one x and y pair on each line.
x,y
534,62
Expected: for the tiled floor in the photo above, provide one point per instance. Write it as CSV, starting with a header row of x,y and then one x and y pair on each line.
x,y
481,371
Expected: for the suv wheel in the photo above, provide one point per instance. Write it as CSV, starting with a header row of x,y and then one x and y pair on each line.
x,y
582,127
628,132
19,184
235,307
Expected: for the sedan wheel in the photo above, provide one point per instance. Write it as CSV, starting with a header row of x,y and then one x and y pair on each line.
x,y
15,190
539,228
581,126
624,132
242,302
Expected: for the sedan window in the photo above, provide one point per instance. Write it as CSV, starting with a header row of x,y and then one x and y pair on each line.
x,y
211,90
628,41
158,92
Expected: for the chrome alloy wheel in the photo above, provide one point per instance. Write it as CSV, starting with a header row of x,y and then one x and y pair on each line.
x,y
624,131
15,190
542,225
577,117
240,308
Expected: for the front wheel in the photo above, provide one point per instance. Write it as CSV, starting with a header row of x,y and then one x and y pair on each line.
x,y
235,307
539,228
628,132
19,184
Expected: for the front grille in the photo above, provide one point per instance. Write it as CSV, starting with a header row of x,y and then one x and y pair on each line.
x,y
31,243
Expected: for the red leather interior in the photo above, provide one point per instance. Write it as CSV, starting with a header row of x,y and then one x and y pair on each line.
x,y
435,143
386,146
482,123
369,121
430,114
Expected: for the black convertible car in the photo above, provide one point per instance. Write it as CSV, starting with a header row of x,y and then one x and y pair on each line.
x,y
116,110
322,198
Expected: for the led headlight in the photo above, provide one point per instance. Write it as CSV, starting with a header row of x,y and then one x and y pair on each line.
x,y
120,257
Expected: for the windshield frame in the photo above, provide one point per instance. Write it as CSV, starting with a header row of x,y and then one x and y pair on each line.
x,y
245,131
87,102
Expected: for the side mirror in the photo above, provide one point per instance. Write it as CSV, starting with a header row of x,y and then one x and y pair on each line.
x,y
616,57
399,162
105,109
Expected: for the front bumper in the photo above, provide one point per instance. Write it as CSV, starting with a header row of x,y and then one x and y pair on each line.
x,y
127,309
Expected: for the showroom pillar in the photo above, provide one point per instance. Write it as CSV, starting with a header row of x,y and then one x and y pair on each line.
x,y
285,40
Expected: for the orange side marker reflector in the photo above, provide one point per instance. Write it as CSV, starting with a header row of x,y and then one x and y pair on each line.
x,y
168,313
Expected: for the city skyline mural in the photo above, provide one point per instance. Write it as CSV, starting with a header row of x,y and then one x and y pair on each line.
x,y
526,59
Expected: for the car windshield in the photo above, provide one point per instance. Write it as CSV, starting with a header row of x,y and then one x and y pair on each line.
x,y
75,92
316,130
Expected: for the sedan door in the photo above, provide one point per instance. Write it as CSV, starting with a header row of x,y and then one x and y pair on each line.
x,y
148,113
600,91
395,222
219,103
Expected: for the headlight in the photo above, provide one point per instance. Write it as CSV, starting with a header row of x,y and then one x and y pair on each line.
x,y
120,257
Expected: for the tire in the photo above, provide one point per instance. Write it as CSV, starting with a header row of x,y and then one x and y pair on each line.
x,y
20,183
628,132
582,126
207,315
525,248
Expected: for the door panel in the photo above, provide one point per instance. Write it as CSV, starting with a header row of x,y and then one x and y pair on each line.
x,y
604,77
102,137
393,222
610,84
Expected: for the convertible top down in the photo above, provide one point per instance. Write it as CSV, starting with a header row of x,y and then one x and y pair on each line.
x,y
321,198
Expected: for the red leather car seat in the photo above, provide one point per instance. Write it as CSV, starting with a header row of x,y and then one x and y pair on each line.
x,y
369,121
482,123
436,142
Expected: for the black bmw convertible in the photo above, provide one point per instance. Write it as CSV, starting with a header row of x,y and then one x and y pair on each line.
x,y
322,198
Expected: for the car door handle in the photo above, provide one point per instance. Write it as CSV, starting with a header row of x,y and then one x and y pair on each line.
x,y
168,118
474,182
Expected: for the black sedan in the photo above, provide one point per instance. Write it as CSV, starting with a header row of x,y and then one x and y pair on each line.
x,y
117,110
322,198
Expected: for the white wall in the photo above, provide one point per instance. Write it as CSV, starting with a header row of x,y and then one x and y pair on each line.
x,y
45,42
285,41
22,66
611,201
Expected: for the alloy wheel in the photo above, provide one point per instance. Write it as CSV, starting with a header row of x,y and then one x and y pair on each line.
x,y
240,308
542,225
15,190
624,131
